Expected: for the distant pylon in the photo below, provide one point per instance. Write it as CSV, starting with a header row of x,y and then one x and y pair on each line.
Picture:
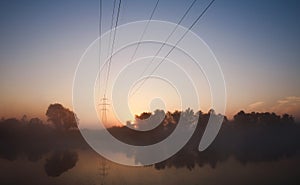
x,y
104,103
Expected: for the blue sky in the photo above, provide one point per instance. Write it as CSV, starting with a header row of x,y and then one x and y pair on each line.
x,y
257,44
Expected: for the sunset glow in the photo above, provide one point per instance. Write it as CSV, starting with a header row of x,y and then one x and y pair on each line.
x,y
164,92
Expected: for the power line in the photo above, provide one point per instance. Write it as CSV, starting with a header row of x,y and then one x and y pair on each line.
x,y
174,46
111,25
173,31
104,100
112,46
99,35
145,29
110,36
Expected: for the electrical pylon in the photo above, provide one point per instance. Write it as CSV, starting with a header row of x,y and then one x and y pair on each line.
x,y
104,103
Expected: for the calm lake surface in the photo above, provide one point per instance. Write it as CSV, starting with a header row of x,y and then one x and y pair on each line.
x,y
247,154
87,168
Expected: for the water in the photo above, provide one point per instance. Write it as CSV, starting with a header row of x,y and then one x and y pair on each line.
x,y
89,167
262,154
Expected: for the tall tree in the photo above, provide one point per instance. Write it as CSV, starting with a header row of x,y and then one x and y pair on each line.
x,y
61,117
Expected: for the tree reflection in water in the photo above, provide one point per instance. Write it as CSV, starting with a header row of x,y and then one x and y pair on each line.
x,y
60,162
250,137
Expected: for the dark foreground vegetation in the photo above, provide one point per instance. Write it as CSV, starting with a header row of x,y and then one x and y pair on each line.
x,y
250,137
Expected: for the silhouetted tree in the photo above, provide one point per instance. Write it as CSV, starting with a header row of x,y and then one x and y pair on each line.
x,y
262,118
61,117
212,112
35,121
144,115
240,117
24,119
146,120
60,162
188,117
288,118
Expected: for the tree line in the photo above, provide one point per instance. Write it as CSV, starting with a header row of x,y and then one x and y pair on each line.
x,y
249,137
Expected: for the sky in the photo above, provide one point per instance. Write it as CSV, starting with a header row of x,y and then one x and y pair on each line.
x,y
257,45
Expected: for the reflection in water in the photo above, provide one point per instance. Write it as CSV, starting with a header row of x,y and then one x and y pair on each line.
x,y
86,172
248,150
246,144
103,169
59,162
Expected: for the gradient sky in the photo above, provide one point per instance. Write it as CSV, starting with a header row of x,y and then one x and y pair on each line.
x,y
257,44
